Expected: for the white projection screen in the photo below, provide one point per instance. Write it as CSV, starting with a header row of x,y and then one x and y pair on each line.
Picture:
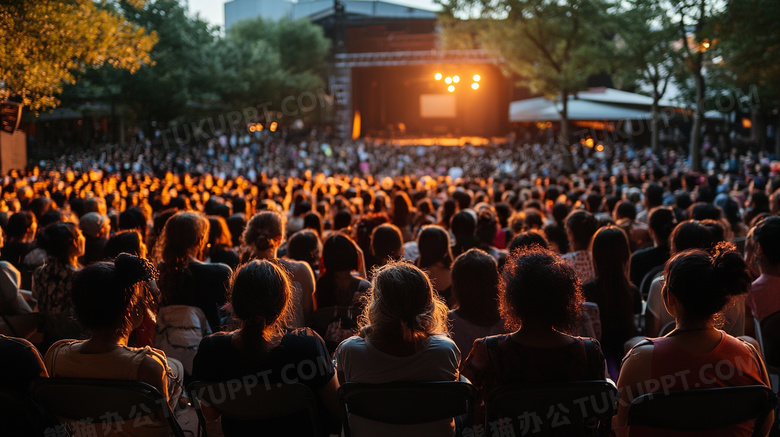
x,y
437,106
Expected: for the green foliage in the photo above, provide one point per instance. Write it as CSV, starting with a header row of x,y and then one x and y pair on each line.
x,y
47,42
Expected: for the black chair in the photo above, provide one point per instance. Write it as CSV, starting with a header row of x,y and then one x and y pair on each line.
x,y
647,280
580,408
770,339
703,409
104,401
240,400
407,403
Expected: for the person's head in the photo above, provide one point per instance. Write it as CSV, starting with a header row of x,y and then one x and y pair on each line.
x,y
342,219
184,236
402,207
386,242
654,196
261,296
95,225
402,304
340,254
580,226
22,226
690,234
624,210
661,222
766,236
539,288
475,280
526,239
611,252
113,296
264,232
313,220
219,234
699,285
127,241
433,243
62,241
305,246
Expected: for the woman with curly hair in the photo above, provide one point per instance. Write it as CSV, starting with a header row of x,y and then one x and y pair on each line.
x,y
184,278
402,338
263,236
539,297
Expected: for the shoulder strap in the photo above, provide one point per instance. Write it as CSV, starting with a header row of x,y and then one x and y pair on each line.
x,y
592,357
493,351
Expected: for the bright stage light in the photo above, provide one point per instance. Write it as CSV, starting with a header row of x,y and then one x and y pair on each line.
x,y
475,86
456,79
476,78
451,88
437,76
448,80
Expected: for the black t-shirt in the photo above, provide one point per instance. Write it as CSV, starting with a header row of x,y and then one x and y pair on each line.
x,y
301,357
642,261
205,286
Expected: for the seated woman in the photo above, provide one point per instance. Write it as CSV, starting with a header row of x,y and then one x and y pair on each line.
x,y
402,338
261,298
475,287
697,288
435,258
110,299
540,297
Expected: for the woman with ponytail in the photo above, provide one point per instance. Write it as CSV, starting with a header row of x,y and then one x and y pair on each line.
x,y
696,354
110,300
263,236
402,338
261,297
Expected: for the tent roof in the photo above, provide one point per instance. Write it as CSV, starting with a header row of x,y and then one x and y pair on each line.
x,y
610,95
541,109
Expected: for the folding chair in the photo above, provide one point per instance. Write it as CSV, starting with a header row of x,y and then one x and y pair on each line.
x,y
104,401
579,408
240,400
703,409
770,338
406,403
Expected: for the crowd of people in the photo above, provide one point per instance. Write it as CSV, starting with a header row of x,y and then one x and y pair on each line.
x,y
385,263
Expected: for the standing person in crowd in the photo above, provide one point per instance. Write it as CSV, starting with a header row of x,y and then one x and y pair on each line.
x,y
184,278
53,281
402,338
698,286
539,297
110,299
475,289
96,229
580,227
435,258
262,300
263,236
619,301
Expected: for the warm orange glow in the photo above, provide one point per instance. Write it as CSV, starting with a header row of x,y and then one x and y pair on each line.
x,y
273,127
456,79
356,125
476,78
451,88
746,123
589,142
475,86
448,80
437,76
599,148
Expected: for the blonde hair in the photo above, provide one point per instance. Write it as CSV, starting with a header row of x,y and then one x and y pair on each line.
x,y
402,304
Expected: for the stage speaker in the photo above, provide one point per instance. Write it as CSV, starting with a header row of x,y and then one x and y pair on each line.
x,y
10,116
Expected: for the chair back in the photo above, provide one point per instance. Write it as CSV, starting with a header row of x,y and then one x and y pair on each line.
x,y
647,280
334,324
254,400
580,408
102,400
703,409
406,403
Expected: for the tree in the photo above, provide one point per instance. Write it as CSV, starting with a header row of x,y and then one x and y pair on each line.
x,y
47,42
552,45
749,44
645,53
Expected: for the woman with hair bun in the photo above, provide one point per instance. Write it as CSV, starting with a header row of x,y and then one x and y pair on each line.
x,y
110,299
261,297
402,338
263,236
698,286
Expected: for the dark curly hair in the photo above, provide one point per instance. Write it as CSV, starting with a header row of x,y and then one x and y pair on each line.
x,y
537,285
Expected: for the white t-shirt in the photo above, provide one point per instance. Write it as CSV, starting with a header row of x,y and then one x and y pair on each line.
x,y
359,361
464,333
